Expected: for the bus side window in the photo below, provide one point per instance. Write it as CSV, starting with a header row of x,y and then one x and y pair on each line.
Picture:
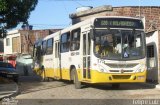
x,y
44,46
75,40
49,49
65,42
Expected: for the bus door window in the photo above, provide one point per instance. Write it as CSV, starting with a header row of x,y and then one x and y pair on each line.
x,y
57,52
89,58
86,55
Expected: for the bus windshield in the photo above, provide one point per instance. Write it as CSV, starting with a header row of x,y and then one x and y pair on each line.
x,y
116,44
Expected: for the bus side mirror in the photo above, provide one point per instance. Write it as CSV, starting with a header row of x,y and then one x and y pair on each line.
x,y
32,54
38,53
92,34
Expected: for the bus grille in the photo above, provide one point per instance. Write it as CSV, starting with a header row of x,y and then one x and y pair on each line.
x,y
119,71
121,76
121,65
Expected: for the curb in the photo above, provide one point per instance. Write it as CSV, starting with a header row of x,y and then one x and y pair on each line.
x,y
11,94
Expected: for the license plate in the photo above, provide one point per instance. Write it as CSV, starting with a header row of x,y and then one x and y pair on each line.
x,y
9,76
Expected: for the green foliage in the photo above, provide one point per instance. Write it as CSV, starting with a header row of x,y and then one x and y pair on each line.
x,y
12,12
2,5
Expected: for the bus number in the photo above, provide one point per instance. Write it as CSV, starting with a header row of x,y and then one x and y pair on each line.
x,y
101,61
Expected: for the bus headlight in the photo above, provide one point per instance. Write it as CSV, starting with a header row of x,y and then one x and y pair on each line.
x,y
102,69
141,69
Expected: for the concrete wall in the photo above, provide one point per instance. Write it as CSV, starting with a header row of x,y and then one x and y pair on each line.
x,y
152,62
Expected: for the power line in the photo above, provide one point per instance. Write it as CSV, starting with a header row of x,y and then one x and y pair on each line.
x,y
77,2
49,24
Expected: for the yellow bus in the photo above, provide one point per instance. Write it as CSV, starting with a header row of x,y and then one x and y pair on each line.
x,y
108,49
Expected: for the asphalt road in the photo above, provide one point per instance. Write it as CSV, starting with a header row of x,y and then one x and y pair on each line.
x,y
64,93
66,90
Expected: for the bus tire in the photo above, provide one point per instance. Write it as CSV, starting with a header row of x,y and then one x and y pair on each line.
x,y
77,83
115,86
72,75
43,77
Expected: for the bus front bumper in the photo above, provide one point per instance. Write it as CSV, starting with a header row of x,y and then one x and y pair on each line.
x,y
101,77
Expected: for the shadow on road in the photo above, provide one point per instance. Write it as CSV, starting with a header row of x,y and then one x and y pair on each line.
x,y
30,84
123,86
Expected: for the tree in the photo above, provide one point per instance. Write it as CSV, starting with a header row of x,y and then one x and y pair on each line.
x,y
12,12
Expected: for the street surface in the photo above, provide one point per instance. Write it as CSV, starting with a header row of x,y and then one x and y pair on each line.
x,y
66,90
46,93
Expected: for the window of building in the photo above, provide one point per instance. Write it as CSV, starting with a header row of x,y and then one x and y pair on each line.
x,y
16,44
75,40
65,42
150,51
49,49
7,42
151,60
44,47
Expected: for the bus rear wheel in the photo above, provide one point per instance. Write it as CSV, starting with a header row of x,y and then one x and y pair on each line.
x,y
77,83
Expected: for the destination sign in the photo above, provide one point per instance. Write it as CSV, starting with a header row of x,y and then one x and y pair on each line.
x,y
118,23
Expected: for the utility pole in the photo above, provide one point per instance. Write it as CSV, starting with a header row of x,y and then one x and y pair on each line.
x,y
27,28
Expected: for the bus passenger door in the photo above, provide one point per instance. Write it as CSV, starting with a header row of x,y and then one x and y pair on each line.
x,y
86,55
57,72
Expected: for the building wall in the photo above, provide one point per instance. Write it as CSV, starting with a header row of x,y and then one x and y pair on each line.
x,y
151,14
152,61
26,41
8,48
28,38
25,44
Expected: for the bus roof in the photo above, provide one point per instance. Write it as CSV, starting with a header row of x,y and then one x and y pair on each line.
x,y
85,22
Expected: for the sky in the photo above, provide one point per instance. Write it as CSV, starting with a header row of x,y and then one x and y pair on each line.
x,y
50,14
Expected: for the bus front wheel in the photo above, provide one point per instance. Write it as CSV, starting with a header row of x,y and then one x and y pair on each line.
x,y
77,83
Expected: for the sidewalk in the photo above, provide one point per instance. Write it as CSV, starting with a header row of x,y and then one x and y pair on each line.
x,y
8,89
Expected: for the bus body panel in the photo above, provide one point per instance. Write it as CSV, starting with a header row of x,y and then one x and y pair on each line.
x,y
60,66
